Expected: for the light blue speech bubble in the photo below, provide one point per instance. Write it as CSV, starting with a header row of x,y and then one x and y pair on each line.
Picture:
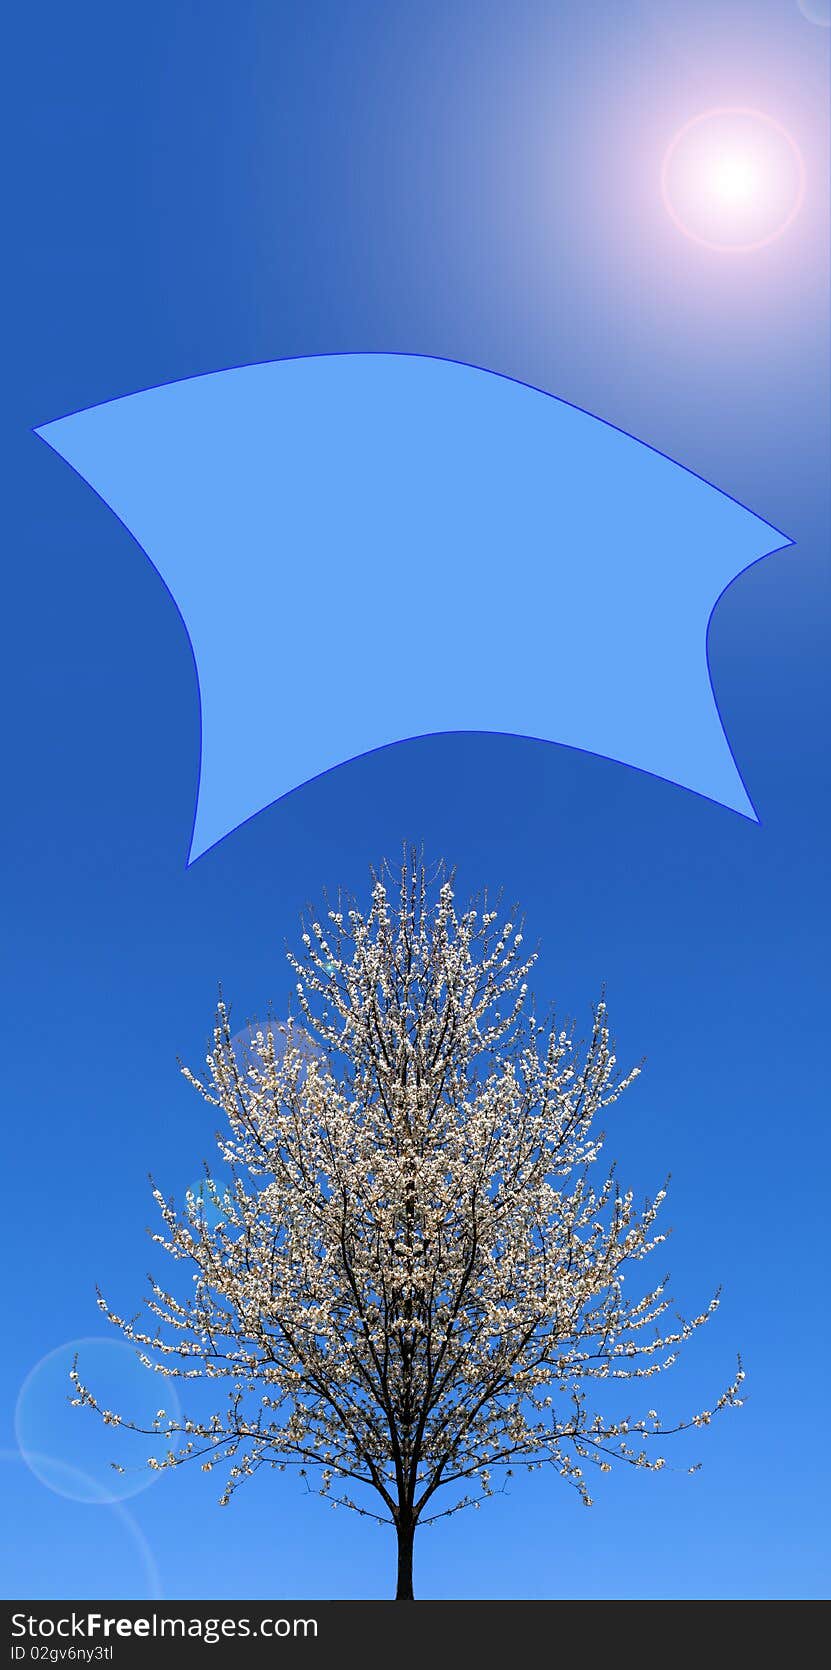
x,y
371,547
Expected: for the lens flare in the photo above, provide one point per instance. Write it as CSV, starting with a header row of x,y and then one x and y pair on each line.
x,y
51,1433
817,11
733,179
77,1486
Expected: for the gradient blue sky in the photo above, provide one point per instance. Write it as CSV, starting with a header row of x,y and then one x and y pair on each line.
x,y
197,186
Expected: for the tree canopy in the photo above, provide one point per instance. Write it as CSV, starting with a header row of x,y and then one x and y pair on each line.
x,y
414,1280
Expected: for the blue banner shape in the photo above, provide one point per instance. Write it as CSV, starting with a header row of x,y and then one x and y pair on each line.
x,y
370,547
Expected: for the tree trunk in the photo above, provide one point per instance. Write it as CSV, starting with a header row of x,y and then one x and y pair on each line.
x,y
406,1537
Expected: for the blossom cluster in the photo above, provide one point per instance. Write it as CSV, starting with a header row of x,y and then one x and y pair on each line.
x,y
415,1278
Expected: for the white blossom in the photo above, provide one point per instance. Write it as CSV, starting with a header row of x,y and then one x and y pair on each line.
x,y
417,1276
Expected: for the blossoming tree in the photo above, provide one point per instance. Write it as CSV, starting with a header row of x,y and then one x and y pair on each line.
x,y
412,1283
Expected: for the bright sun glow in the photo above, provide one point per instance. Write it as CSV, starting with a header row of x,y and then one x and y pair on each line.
x,y
733,179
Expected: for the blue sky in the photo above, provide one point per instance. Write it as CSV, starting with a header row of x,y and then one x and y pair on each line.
x,y
193,192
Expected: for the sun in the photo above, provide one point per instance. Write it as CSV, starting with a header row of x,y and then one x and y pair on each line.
x,y
733,179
